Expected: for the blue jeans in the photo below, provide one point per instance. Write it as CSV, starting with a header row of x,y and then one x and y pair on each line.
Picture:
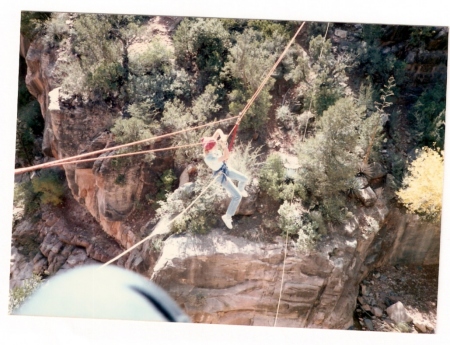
x,y
235,192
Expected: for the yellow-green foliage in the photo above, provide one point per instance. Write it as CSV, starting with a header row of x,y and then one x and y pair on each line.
x,y
423,186
19,294
50,187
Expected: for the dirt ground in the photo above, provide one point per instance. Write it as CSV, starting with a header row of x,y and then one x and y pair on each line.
x,y
416,287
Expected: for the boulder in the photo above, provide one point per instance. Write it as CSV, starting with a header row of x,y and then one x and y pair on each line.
x,y
367,196
397,313
340,33
377,171
377,312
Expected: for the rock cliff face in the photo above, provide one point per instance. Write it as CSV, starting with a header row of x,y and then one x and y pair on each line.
x,y
219,278
71,129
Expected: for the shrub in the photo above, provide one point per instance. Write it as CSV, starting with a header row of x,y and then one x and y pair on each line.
x,y
372,131
419,36
329,160
423,185
273,176
127,131
32,23
329,75
18,295
284,115
165,184
293,220
270,27
56,29
428,115
372,61
49,185
248,62
155,59
202,44
244,159
25,196
201,216
297,70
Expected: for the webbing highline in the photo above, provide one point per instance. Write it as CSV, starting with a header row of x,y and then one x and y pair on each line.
x,y
261,86
170,222
73,158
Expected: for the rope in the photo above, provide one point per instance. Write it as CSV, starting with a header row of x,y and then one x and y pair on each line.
x,y
282,280
57,162
125,154
173,220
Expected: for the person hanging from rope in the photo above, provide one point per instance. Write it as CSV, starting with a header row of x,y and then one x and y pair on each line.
x,y
216,160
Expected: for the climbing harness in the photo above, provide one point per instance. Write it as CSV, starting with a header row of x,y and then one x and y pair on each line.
x,y
224,170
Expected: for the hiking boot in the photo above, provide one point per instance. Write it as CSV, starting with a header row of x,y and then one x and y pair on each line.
x,y
244,193
227,220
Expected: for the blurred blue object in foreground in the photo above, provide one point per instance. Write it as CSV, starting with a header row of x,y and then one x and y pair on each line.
x,y
107,293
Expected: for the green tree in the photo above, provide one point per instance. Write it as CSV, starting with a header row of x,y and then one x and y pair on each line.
x,y
272,177
201,45
101,45
154,79
330,76
372,61
329,159
249,61
428,115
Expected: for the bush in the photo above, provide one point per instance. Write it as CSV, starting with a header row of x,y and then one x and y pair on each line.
x,y
56,29
293,220
330,159
202,215
32,23
372,61
25,196
330,75
284,115
49,185
248,62
272,178
423,185
428,116
165,184
156,59
202,44
19,295
127,131
271,27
